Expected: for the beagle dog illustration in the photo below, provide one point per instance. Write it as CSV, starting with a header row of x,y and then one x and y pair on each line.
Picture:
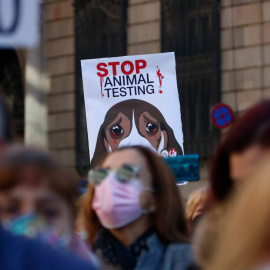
x,y
135,122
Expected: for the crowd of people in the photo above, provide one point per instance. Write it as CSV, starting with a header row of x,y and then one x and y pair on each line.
x,y
132,216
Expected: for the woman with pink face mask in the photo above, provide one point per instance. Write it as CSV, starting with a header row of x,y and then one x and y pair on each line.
x,y
134,215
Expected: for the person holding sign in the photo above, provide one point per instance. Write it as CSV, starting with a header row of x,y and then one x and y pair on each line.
x,y
133,213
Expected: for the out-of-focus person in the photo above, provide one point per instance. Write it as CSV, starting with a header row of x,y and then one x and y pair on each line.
x,y
196,207
20,253
38,199
245,240
240,151
238,156
134,215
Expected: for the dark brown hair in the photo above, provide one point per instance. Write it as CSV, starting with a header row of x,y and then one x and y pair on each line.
x,y
28,166
168,219
251,128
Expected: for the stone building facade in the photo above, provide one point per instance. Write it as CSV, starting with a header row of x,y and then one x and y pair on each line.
x,y
244,51
245,44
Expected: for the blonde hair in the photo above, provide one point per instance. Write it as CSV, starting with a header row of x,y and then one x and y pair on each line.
x,y
246,224
207,234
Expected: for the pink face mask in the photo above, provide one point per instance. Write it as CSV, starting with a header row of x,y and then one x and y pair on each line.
x,y
118,204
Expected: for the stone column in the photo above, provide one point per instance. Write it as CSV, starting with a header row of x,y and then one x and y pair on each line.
x,y
143,27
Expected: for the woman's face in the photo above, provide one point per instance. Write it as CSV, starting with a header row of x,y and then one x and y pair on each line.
x,y
245,164
133,157
37,200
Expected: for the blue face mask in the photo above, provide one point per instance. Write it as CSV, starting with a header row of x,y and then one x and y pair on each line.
x,y
32,226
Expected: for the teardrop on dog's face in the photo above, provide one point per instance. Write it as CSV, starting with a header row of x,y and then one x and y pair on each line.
x,y
150,128
117,130
134,122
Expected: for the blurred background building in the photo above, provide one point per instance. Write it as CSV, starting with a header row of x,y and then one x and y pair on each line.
x,y
222,50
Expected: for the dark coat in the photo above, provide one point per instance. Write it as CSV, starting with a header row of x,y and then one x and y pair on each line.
x,y
18,253
158,257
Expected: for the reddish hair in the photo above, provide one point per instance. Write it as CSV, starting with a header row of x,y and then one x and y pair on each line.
x,y
168,219
251,128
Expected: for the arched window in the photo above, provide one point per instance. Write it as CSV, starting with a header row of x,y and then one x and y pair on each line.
x,y
100,31
11,86
191,29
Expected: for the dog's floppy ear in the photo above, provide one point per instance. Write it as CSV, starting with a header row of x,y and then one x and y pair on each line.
x,y
102,145
171,140
101,149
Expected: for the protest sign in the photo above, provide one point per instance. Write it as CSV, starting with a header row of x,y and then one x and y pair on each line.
x,y
132,100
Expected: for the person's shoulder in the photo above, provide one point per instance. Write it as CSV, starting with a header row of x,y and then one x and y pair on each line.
x,y
178,256
182,248
21,253
54,260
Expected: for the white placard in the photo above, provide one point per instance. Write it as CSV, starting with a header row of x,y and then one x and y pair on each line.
x,y
19,23
132,100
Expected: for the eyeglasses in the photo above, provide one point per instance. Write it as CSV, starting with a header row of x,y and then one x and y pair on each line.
x,y
123,174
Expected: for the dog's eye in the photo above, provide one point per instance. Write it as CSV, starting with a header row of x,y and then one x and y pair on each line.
x,y
151,128
117,130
